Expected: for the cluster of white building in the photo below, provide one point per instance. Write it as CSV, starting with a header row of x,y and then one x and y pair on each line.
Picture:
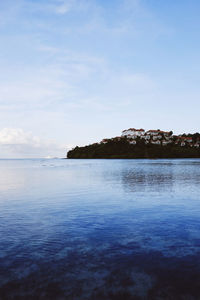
x,y
157,137
151,136
185,140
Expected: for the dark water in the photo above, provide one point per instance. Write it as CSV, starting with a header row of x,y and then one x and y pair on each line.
x,y
100,229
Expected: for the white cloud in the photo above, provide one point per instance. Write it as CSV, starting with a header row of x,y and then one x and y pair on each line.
x,y
57,7
15,142
72,80
12,136
64,7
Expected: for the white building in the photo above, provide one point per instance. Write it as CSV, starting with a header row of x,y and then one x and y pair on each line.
x,y
166,142
133,142
132,132
153,132
156,142
158,132
157,137
147,137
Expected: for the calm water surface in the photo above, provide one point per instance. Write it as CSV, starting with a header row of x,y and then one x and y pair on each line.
x,y
99,229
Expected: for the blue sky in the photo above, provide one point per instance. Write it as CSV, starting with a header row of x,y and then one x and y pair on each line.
x,y
76,71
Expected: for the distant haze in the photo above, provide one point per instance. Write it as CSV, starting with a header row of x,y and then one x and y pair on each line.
x,y
76,71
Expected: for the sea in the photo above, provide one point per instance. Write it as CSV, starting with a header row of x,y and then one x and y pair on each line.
x,y
99,229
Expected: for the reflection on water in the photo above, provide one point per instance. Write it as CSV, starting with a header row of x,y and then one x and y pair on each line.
x,y
140,180
99,229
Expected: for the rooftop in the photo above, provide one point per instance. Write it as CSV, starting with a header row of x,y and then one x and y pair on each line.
x,y
133,129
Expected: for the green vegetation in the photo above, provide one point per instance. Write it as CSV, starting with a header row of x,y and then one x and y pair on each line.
x,y
121,148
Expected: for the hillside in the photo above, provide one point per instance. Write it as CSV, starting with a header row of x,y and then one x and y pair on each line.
x,y
123,148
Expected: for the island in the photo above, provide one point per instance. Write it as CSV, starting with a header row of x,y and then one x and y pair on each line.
x,y
138,143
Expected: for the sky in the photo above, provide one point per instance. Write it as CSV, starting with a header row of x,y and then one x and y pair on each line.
x,y
76,71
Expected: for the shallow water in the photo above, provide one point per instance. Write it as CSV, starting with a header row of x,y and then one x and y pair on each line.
x,y
99,229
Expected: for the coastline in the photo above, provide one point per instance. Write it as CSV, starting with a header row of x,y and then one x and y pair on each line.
x,y
124,150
